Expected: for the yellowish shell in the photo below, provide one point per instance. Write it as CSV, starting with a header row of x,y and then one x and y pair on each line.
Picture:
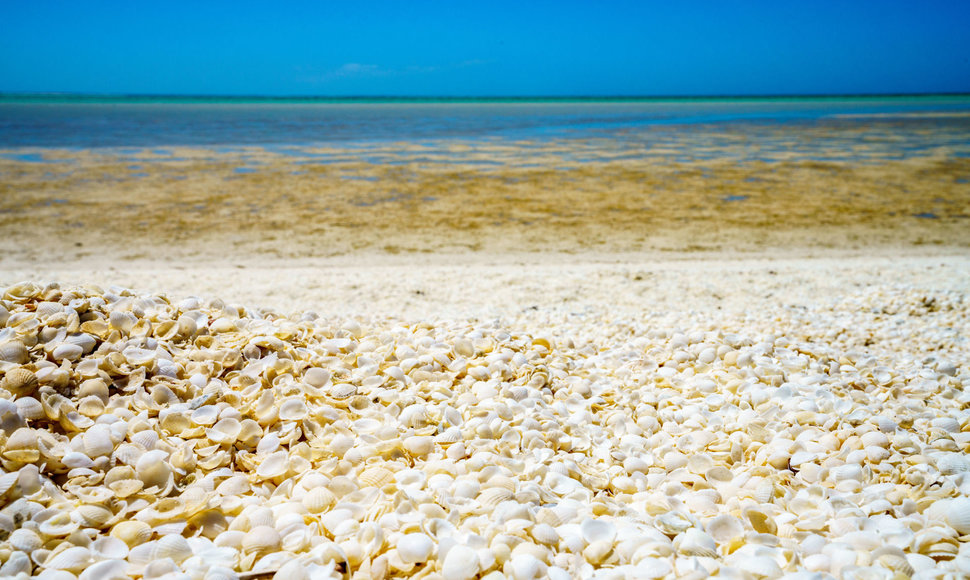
x,y
132,532
375,477
14,351
318,499
20,381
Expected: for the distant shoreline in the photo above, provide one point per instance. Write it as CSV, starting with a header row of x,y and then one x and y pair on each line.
x,y
17,97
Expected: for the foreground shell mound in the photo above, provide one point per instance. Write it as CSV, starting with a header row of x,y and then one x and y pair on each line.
x,y
149,438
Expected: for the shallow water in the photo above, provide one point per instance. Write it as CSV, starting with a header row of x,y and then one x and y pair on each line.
x,y
821,129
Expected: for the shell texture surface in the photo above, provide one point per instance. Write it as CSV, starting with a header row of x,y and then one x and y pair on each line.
x,y
193,439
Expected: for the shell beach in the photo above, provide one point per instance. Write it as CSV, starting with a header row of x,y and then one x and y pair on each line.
x,y
618,345
673,433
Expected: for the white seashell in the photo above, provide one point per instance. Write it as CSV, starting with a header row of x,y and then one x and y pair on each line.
x,y
597,530
132,533
261,540
153,469
67,351
58,524
106,570
17,563
20,382
545,534
109,548
76,460
292,410
759,566
93,516
73,559
694,542
318,500
415,548
316,377
172,546
724,528
30,408
419,446
343,390
952,463
14,352
461,563
274,465
955,512
146,438
225,431
25,540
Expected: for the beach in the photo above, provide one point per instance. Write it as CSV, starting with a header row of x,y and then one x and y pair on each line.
x,y
740,353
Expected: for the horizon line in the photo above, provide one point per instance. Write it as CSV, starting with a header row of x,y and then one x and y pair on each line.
x,y
269,97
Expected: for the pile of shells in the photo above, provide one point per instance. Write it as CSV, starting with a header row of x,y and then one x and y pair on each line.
x,y
141,437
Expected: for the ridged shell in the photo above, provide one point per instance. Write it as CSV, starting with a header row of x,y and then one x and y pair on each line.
x,y
893,558
14,351
172,546
261,540
146,438
694,542
73,559
952,463
30,408
955,512
375,477
93,516
493,496
58,525
132,533
25,540
17,563
20,381
545,534
318,499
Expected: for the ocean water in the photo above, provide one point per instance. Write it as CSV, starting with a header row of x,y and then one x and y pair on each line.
x,y
819,128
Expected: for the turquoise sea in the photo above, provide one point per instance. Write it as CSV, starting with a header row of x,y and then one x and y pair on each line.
x,y
810,127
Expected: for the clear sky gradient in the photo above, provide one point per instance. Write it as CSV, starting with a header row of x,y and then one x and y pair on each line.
x,y
498,48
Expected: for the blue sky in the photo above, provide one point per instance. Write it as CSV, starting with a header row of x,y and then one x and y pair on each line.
x,y
498,48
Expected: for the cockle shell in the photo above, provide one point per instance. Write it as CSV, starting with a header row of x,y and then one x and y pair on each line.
x,y
694,542
261,540
17,563
460,563
955,512
172,546
14,351
25,540
55,524
73,559
20,381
